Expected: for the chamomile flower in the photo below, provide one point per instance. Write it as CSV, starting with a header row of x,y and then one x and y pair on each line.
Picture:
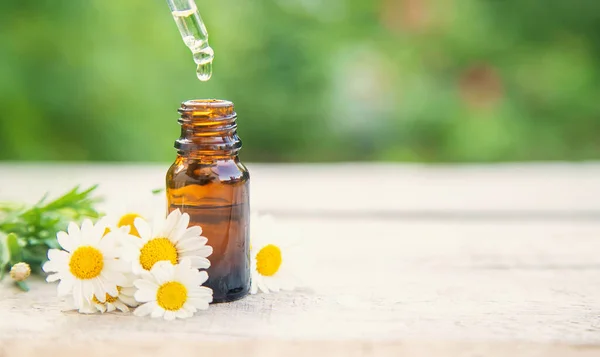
x,y
122,301
89,265
172,291
110,225
270,263
169,240
122,219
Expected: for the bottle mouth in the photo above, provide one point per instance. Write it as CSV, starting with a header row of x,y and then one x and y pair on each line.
x,y
206,104
200,110
208,128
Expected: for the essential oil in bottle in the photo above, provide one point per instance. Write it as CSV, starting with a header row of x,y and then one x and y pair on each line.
x,y
194,34
208,181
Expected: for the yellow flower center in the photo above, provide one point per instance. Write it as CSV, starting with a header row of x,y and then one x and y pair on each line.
x,y
171,296
127,220
268,260
109,299
156,250
86,263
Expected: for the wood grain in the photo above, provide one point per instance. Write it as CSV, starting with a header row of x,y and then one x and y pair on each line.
x,y
349,190
373,286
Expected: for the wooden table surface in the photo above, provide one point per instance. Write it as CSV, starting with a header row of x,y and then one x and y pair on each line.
x,y
396,259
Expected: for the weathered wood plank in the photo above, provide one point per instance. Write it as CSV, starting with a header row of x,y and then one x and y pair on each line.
x,y
395,260
196,345
411,191
395,281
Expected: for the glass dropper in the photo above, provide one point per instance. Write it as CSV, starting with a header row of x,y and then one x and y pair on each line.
x,y
194,34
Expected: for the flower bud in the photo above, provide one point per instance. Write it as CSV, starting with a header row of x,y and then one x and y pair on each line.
x,y
20,271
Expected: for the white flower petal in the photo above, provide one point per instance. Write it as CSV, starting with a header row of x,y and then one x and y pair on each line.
x,y
122,307
78,298
144,284
271,285
109,242
128,291
171,223
201,292
87,289
111,278
109,286
194,243
53,277
190,308
180,227
204,251
128,300
199,262
183,314
200,304
99,290
65,287
74,233
157,312
57,255
144,309
87,309
193,231
133,242
145,295
261,285
163,271
137,269
86,228
65,241
169,315
116,265
100,227
130,253
197,278
59,261
143,229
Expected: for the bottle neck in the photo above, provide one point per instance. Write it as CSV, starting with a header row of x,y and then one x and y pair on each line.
x,y
208,129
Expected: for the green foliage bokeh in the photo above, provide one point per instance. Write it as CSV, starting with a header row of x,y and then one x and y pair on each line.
x,y
335,80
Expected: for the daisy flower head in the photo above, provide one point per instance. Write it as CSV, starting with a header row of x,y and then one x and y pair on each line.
x,y
122,217
169,240
110,225
88,265
172,291
269,255
122,301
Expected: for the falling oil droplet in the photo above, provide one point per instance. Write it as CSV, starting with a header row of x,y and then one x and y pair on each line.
x,y
203,57
204,71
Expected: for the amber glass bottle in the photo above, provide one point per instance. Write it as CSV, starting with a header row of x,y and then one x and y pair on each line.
x,y
209,182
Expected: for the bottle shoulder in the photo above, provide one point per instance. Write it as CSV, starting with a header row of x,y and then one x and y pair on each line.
x,y
192,171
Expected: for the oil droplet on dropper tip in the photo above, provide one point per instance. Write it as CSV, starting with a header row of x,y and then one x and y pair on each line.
x,y
204,71
194,34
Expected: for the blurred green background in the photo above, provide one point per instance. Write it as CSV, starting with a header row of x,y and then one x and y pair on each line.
x,y
312,80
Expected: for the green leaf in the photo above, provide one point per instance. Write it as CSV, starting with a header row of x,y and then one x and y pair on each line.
x,y
33,229
156,191
4,256
22,285
15,250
